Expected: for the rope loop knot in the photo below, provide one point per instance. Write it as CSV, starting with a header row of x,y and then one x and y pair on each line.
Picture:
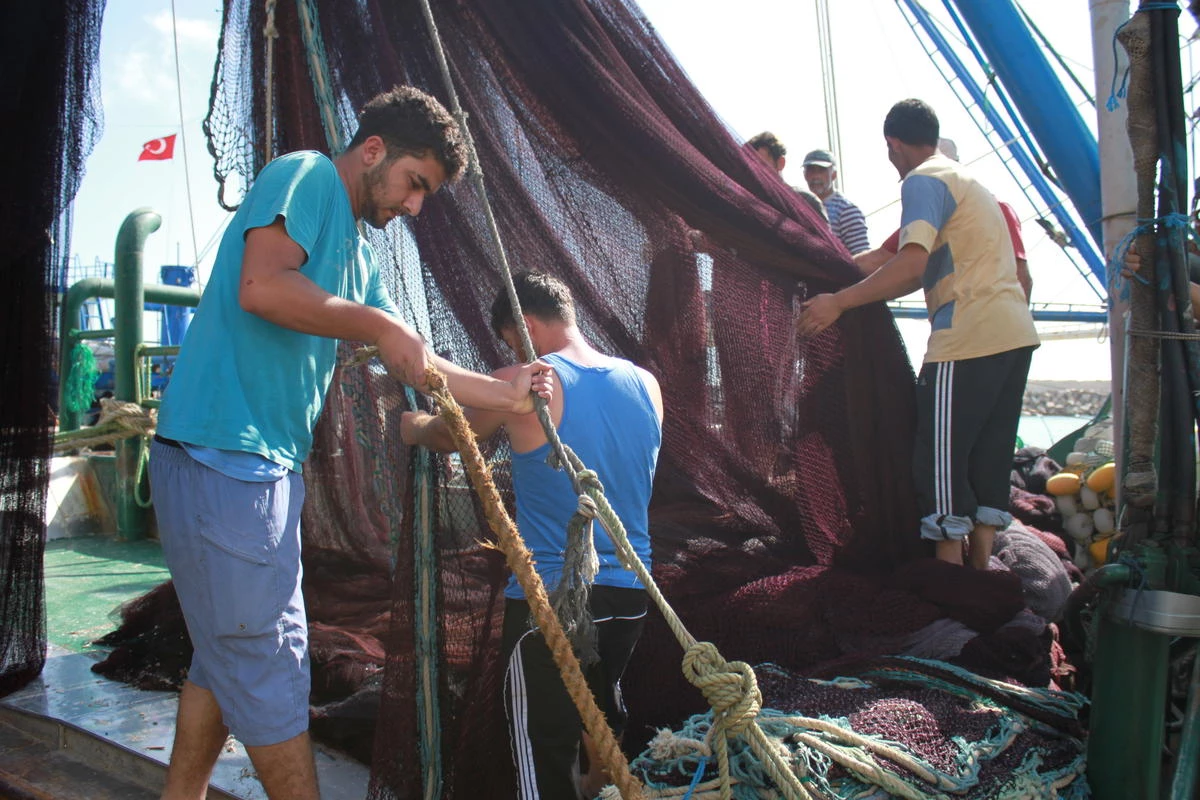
x,y
729,686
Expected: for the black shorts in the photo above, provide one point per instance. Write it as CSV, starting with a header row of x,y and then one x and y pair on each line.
x,y
967,417
544,727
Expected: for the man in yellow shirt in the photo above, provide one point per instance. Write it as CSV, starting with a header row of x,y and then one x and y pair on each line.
x,y
954,243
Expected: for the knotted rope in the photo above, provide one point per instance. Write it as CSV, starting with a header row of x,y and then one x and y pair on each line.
x,y
581,564
729,686
118,420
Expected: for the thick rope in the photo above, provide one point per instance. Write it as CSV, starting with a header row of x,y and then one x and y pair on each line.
x,y
1140,480
270,34
867,770
887,751
520,561
733,708
581,564
729,687
118,420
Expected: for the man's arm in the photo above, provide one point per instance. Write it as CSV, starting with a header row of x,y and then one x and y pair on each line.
x,y
1013,222
430,431
896,278
512,394
1024,278
272,287
870,260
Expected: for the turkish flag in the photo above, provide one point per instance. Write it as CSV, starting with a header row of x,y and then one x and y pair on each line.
x,y
158,149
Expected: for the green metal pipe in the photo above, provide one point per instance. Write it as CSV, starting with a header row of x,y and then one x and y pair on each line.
x,y
130,304
165,350
1129,687
78,294
101,333
1183,783
1125,738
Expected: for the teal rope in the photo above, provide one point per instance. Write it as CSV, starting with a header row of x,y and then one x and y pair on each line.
x,y
1113,103
1144,227
318,71
425,629
784,729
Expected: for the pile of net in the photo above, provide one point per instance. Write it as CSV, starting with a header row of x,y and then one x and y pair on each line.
x,y
889,728
783,522
49,55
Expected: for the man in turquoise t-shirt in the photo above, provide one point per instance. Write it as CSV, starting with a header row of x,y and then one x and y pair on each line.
x,y
291,277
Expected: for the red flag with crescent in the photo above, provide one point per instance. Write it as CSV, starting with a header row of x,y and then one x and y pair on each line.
x,y
158,149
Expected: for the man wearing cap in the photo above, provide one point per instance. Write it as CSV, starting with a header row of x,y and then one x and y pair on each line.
x,y
847,221
773,153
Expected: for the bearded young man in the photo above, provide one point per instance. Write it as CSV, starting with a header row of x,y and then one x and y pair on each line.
x,y
293,275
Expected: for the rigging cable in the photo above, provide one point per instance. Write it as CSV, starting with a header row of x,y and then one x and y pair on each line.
x,y
187,181
828,85
1057,56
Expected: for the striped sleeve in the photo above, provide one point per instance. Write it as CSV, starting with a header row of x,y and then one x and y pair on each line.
x,y
851,228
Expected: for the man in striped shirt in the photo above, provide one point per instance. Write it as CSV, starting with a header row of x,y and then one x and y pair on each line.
x,y
847,221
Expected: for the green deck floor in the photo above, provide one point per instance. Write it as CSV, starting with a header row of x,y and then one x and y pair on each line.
x,y
87,580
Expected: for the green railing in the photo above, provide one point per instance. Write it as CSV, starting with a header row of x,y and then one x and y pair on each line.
x,y
131,378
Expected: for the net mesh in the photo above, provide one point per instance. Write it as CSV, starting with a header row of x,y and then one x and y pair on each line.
x,y
50,52
891,728
783,494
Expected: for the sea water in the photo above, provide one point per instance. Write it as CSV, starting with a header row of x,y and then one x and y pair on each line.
x,y
1085,360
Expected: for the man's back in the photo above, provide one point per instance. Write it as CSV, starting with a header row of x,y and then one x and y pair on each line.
x,y
610,419
976,305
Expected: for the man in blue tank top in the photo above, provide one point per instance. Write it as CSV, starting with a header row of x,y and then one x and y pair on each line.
x,y
610,413
292,275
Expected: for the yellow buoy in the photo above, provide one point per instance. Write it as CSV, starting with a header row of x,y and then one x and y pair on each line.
x,y
1064,483
1098,550
1102,478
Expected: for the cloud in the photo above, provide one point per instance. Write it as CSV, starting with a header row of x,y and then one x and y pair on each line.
x,y
144,77
144,63
191,32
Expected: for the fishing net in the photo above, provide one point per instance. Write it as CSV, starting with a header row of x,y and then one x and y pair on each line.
x,y
49,54
891,728
783,500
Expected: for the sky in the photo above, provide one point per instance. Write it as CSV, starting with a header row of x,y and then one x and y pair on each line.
x,y
757,62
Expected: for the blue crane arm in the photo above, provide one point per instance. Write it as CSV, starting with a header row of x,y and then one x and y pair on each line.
x,y
1068,144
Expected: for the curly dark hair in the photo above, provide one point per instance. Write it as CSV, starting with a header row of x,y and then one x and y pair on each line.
x,y
769,142
913,122
413,123
541,295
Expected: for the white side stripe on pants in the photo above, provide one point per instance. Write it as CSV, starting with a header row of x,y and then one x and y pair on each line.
x,y
518,710
943,401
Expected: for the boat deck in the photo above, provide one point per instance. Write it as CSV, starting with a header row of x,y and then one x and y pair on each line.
x,y
73,734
